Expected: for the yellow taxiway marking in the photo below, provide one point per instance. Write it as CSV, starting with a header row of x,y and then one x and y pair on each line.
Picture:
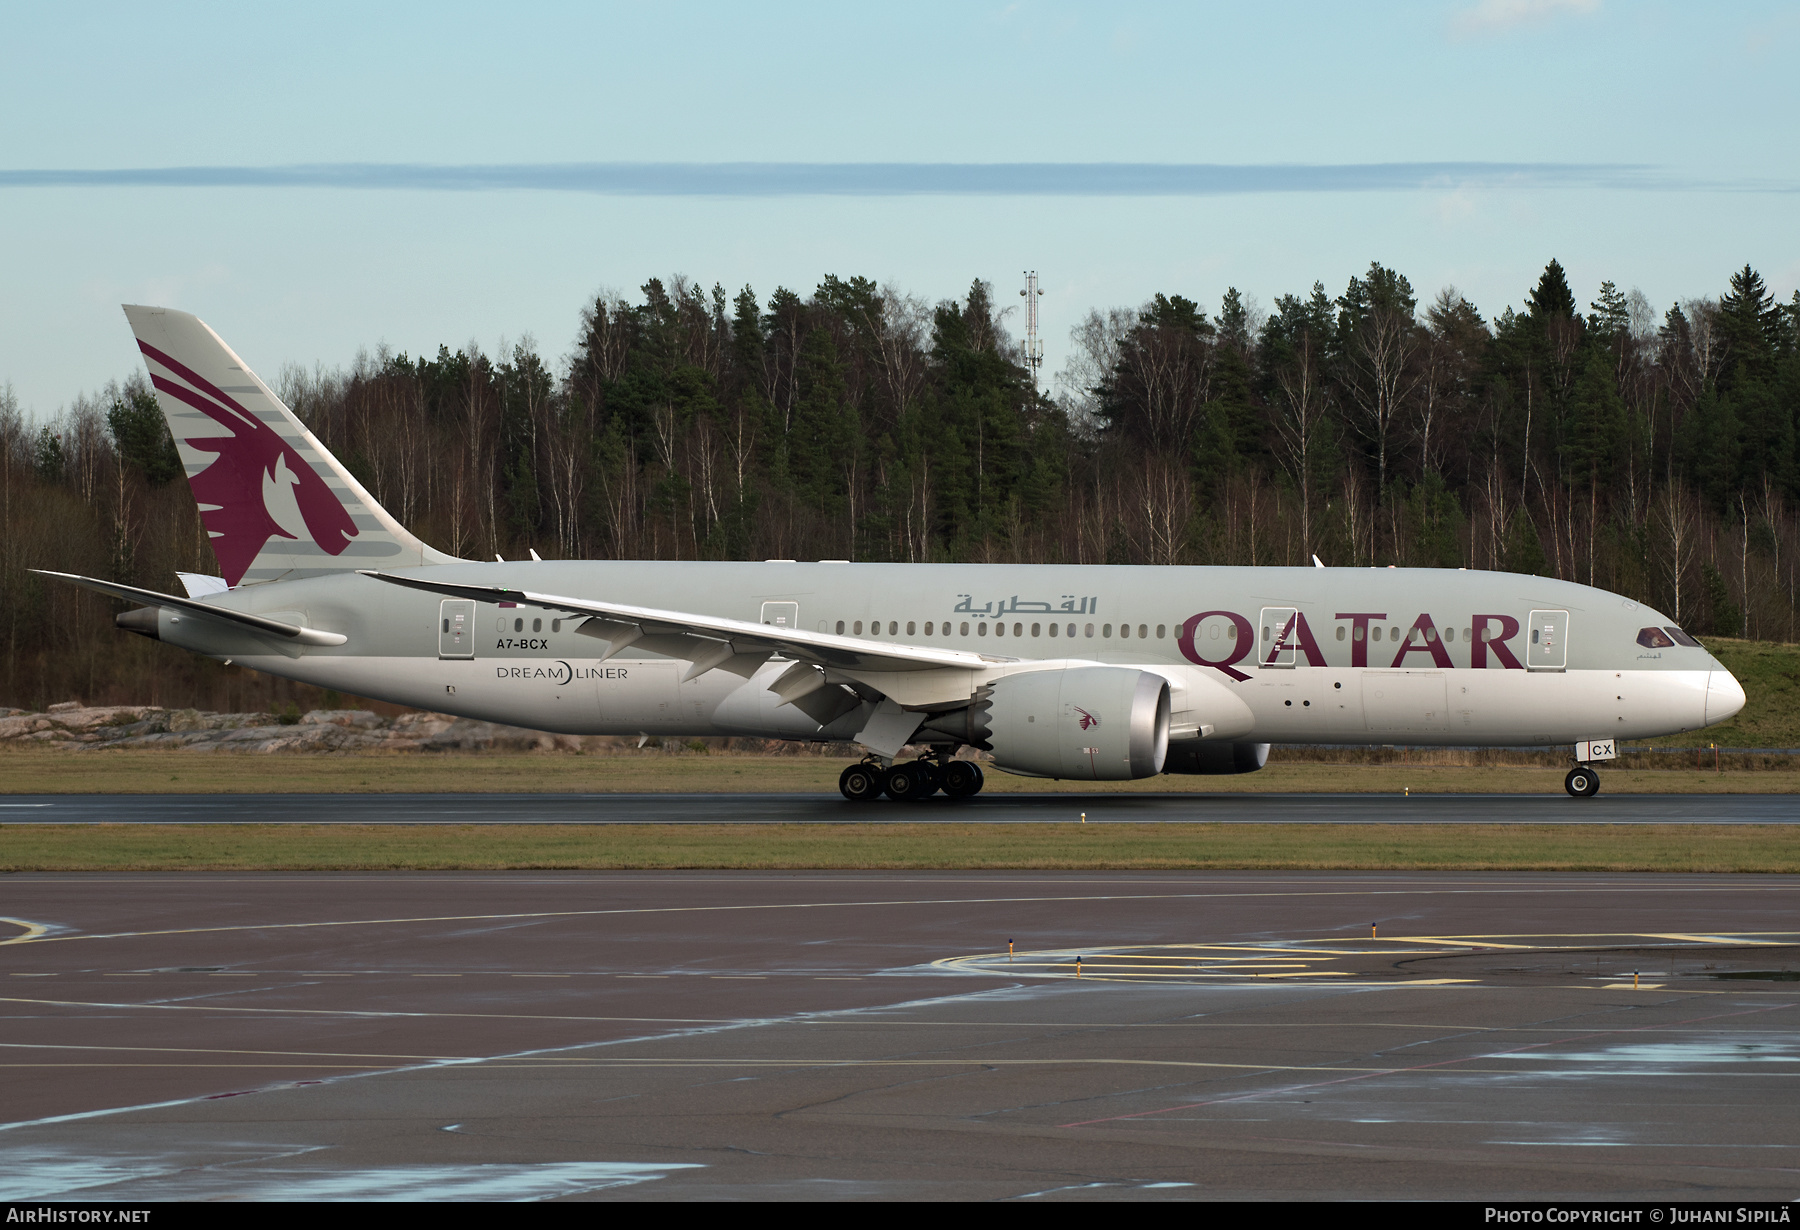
x,y
31,931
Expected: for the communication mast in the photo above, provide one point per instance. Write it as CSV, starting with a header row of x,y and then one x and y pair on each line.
x,y
1034,345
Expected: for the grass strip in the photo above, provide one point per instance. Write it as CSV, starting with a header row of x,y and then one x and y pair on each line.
x,y
152,771
903,847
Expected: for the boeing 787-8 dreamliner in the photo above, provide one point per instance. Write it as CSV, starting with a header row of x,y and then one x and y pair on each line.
x,y
1060,671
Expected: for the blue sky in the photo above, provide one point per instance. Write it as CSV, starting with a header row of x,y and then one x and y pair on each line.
x,y
1646,143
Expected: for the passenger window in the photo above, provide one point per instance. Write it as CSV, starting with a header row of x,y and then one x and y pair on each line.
x,y
857,627
1375,632
893,627
1340,632
1018,629
1468,634
1125,631
1161,631
447,627
1356,635
840,627
928,624
1682,638
537,625
1654,638
1090,629
1534,636
980,629
1037,629
999,629
965,629
1106,631
1450,634
518,625
1393,634
556,625
910,627
1054,628
1143,631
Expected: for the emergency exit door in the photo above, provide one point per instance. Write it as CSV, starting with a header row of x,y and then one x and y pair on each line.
x,y
1547,641
456,628
783,615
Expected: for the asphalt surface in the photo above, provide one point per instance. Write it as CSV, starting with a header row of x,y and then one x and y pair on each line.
x,y
865,1036
833,809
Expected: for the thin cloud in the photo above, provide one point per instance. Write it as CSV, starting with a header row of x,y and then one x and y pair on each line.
x,y
871,179
1502,16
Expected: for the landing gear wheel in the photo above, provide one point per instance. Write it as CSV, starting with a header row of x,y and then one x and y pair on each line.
x,y
1582,782
860,783
907,783
962,779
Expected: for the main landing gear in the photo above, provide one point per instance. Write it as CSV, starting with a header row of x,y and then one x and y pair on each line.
x,y
910,780
1582,782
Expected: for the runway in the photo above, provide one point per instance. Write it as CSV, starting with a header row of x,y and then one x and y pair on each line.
x,y
681,1036
832,809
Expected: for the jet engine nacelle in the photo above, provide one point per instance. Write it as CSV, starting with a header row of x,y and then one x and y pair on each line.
x,y
1088,723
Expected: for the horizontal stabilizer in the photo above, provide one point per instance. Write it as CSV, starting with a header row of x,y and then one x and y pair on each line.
x,y
257,623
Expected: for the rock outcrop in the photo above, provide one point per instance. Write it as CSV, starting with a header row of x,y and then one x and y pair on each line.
x,y
80,727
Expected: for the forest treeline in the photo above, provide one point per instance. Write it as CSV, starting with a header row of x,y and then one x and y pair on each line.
x,y
1650,453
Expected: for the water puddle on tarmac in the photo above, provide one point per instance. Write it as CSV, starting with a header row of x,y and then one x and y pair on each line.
x,y
40,1174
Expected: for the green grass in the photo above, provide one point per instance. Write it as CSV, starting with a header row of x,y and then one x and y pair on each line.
x,y
50,771
975,847
1770,673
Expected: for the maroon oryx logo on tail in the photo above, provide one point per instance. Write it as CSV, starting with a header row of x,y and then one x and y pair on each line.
x,y
1087,719
257,487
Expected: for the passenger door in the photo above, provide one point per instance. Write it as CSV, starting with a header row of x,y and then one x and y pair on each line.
x,y
1275,620
1547,642
456,628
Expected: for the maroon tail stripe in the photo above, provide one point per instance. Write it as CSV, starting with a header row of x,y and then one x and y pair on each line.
x,y
213,412
195,379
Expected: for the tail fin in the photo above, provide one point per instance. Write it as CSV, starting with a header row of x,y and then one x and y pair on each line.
x,y
275,502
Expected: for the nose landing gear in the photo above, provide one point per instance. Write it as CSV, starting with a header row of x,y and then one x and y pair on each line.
x,y
1582,782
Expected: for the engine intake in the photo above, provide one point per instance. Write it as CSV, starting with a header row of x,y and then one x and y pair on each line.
x,y
1087,723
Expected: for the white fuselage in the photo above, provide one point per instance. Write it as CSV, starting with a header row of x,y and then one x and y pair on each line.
x,y
1368,656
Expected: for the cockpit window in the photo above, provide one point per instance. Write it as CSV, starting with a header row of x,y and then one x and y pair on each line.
x,y
1682,638
1654,638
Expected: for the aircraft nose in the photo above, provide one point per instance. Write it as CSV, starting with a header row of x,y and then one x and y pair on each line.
x,y
1724,696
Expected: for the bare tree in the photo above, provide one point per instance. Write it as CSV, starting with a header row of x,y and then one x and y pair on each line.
x,y
1300,425
1093,353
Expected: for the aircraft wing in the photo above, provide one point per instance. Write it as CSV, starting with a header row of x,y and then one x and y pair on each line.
x,y
681,633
